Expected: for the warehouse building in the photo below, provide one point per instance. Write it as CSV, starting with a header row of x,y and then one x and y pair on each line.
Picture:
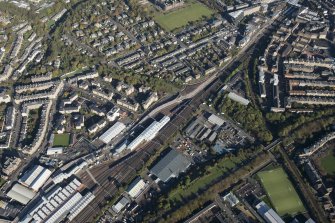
x,y
238,98
55,151
120,205
112,132
73,169
136,188
170,166
216,120
58,203
21,194
268,214
35,177
149,133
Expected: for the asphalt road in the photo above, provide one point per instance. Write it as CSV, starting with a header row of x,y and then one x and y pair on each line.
x,y
109,176
238,58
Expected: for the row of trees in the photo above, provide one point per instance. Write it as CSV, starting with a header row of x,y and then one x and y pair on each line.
x,y
203,198
199,180
294,121
248,116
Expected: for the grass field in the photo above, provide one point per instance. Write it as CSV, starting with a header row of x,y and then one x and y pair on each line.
x,y
180,17
61,140
2,182
328,164
281,192
212,173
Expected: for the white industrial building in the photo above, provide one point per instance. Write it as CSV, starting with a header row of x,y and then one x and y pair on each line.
x,y
21,194
216,120
112,132
35,177
120,205
268,214
69,172
238,98
136,188
149,133
59,203
55,151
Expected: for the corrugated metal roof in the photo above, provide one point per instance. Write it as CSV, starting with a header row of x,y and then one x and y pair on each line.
x,y
120,205
238,98
55,150
21,194
214,119
112,132
170,166
35,177
149,133
136,187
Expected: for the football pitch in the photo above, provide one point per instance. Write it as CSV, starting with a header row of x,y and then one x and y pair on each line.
x,y
61,140
181,17
281,192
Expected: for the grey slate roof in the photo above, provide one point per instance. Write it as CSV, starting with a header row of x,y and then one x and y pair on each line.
x,y
170,166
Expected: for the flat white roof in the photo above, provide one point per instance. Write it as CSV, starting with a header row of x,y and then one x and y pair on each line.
x,y
238,98
136,187
55,150
21,194
214,119
273,217
112,132
268,213
120,205
36,177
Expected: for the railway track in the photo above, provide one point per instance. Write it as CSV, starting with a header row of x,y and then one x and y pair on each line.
x,y
110,177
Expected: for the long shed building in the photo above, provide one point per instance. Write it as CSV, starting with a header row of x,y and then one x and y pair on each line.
x,y
112,132
35,177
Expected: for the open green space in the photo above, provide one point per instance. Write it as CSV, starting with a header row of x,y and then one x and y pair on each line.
x,y
212,173
328,163
61,140
33,124
191,12
266,200
250,117
281,192
2,182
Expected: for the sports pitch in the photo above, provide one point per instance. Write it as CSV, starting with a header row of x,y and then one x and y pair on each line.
x,y
181,17
281,192
61,140
327,163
